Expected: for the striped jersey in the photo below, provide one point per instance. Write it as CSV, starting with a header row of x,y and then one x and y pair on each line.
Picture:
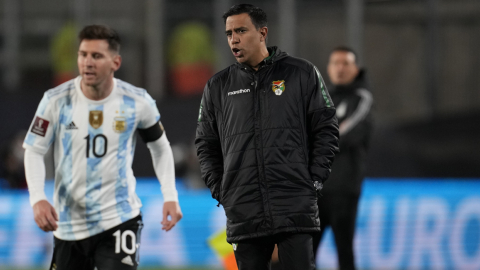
x,y
94,143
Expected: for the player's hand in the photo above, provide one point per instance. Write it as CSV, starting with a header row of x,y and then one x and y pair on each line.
x,y
45,216
172,210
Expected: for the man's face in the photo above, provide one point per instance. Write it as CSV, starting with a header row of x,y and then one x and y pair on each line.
x,y
342,68
244,39
96,63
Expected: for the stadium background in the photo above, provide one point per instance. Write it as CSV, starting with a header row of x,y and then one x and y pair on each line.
x,y
420,206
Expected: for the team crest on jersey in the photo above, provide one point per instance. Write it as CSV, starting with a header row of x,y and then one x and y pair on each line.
x,y
96,119
278,87
119,124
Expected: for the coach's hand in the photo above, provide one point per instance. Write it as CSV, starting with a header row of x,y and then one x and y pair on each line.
x,y
45,216
172,210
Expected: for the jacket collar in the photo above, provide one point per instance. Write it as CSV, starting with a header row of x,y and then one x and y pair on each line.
x,y
275,54
359,82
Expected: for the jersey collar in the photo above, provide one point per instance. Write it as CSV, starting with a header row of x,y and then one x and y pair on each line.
x,y
103,101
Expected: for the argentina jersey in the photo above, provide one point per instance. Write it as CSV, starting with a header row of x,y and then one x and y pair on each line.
x,y
93,144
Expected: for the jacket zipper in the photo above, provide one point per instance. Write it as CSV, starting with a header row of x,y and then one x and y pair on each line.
x,y
263,178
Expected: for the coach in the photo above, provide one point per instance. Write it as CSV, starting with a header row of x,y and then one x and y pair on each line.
x,y
266,137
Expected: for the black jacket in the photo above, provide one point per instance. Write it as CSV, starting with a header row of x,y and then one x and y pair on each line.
x,y
353,104
261,151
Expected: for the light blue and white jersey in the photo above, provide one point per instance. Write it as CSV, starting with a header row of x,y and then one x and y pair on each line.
x,y
94,144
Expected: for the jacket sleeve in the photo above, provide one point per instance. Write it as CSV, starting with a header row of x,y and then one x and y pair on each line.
x,y
207,142
322,127
355,129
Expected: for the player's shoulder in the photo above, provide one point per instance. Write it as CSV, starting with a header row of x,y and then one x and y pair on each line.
x,y
220,77
131,90
134,92
223,73
64,89
298,62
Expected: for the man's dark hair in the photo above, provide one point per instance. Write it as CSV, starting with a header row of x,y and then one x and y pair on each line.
x,y
257,15
345,49
92,32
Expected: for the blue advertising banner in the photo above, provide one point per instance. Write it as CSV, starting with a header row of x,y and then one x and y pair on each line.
x,y
401,224
415,224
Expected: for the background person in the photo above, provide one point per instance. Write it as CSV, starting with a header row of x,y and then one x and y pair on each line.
x,y
338,206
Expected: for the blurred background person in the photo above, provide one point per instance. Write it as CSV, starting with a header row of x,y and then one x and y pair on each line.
x,y
353,101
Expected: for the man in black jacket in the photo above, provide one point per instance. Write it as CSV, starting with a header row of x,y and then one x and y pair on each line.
x,y
338,206
266,137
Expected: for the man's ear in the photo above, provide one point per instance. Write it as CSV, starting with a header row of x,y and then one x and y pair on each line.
x,y
263,33
117,62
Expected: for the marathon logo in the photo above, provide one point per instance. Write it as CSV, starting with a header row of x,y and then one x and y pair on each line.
x,y
241,91
40,126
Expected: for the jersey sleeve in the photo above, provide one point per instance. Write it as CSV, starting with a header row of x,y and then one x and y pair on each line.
x,y
41,133
149,114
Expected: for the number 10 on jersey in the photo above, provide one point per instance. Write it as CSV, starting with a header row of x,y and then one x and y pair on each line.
x,y
94,142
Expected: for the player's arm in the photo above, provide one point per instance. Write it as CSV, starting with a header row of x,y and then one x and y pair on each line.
x,y
322,128
36,144
163,163
44,213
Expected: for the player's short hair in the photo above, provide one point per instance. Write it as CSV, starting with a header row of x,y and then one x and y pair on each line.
x,y
92,32
345,49
257,15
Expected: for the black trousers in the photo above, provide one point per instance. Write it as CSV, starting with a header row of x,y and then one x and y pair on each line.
x,y
295,252
339,212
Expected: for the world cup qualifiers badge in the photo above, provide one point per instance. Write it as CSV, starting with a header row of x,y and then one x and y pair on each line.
x,y
40,126
278,87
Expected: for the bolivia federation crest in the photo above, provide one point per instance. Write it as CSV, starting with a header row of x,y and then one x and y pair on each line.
x,y
119,124
278,87
96,119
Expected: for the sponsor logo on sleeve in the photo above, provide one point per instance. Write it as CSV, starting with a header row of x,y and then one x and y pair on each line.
x,y
40,126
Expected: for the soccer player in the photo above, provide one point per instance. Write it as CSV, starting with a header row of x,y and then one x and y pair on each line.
x,y
91,122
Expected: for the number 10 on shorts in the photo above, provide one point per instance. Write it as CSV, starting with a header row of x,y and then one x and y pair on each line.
x,y
121,241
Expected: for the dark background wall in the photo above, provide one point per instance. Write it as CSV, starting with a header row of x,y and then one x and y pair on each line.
x,y
422,63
